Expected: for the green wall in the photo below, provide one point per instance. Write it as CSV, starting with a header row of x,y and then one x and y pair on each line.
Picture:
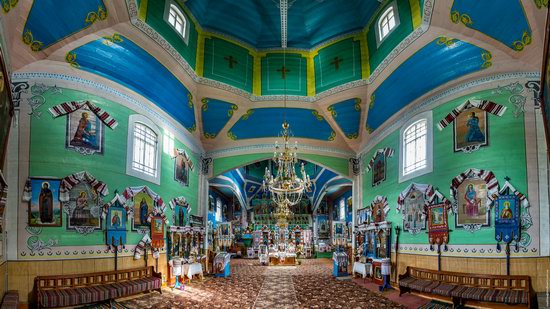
x,y
155,19
48,157
504,156
378,53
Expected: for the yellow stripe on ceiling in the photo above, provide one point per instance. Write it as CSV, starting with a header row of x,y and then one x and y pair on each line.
x,y
199,63
415,12
257,73
143,10
311,73
365,67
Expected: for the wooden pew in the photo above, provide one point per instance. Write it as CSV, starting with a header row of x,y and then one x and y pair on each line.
x,y
473,289
79,289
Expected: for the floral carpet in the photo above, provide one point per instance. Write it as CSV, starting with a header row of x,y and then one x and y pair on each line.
x,y
250,285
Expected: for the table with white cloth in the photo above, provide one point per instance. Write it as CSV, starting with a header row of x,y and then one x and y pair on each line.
x,y
192,269
364,269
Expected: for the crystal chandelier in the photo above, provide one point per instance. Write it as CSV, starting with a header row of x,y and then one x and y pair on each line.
x,y
286,188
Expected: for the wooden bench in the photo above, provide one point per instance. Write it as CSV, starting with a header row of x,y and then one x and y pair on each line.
x,y
79,289
481,290
10,300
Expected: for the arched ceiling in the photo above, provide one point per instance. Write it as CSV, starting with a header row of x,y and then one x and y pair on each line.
x,y
257,22
245,182
116,44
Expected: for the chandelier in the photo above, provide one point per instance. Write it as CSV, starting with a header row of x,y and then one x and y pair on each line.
x,y
286,188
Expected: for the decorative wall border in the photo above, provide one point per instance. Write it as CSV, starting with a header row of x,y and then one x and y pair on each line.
x,y
75,252
155,36
473,251
26,76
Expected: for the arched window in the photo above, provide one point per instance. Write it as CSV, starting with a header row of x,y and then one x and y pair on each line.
x,y
387,22
143,159
416,147
342,210
218,210
177,20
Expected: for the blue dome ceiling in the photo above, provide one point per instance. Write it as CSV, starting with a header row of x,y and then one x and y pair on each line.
x,y
258,22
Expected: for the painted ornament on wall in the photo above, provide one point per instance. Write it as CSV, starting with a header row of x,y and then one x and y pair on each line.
x,y
85,132
42,194
339,236
378,165
379,209
411,205
157,231
322,226
143,202
180,211
470,124
470,130
182,166
437,208
82,198
508,207
116,217
85,125
473,193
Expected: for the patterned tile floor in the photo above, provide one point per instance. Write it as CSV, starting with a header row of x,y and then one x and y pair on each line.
x,y
250,285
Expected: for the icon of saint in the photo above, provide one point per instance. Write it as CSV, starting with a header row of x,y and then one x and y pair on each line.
x,y
506,212
84,135
472,201
80,212
45,203
115,221
474,132
143,212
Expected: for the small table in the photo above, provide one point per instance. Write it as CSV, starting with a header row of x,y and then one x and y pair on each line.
x,y
363,268
192,269
250,253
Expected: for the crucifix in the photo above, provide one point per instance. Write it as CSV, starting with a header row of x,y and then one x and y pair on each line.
x,y
231,61
283,71
336,62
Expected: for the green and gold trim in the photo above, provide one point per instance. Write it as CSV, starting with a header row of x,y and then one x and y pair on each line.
x,y
70,57
28,39
332,111
7,5
92,17
231,135
486,56
247,114
526,39
114,39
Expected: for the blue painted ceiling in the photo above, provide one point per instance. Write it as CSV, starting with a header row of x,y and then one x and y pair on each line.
x,y
440,61
121,60
258,22
266,122
215,114
503,20
347,115
51,21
